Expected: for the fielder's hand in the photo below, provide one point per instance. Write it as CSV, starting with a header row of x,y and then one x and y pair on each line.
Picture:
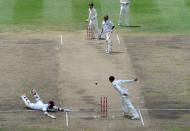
x,y
33,92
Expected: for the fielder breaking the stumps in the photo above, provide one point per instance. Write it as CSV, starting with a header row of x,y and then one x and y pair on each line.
x,y
39,105
124,95
107,28
93,21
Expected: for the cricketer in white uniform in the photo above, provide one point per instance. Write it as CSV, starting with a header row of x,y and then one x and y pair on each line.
x,y
107,28
93,21
124,9
124,95
39,105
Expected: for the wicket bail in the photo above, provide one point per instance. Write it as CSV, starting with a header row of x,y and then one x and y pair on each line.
x,y
103,107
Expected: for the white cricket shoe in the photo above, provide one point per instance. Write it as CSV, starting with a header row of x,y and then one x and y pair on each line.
x,y
135,118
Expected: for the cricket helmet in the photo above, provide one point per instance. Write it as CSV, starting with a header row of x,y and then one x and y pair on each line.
x,y
111,78
106,17
51,104
91,4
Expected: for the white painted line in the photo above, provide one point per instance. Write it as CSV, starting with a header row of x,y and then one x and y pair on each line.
x,y
165,109
114,110
61,39
118,39
67,119
142,121
142,99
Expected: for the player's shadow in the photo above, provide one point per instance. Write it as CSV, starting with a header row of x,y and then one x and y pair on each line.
x,y
27,108
116,52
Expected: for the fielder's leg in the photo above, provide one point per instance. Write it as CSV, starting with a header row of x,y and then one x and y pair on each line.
x,y
120,16
124,106
35,95
126,14
26,101
107,38
97,32
135,115
109,42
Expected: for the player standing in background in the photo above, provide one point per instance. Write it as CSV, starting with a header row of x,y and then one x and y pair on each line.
x,y
39,105
124,9
93,21
107,28
124,95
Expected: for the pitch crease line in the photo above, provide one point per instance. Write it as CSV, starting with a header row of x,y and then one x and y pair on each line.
x,y
118,39
61,39
142,109
142,121
146,109
67,119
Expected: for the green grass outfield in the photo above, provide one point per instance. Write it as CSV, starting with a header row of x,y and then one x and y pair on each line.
x,y
170,16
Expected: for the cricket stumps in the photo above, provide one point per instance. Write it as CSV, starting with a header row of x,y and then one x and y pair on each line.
x,y
103,106
89,32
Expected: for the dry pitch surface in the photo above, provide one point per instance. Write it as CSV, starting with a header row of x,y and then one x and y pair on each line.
x,y
66,70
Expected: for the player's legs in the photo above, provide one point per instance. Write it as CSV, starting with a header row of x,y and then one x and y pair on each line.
x,y
109,42
120,15
126,15
26,101
35,95
96,28
124,105
93,27
132,110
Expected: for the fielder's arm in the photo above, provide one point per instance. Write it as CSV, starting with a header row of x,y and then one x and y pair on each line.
x,y
61,109
129,81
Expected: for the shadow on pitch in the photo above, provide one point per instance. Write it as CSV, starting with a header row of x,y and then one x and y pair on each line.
x,y
116,52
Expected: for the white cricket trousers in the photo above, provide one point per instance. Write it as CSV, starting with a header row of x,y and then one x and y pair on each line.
x,y
94,25
128,107
32,105
108,42
124,9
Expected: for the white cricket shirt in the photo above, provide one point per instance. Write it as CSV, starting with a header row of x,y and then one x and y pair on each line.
x,y
124,2
92,14
107,26
119,86
39,106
